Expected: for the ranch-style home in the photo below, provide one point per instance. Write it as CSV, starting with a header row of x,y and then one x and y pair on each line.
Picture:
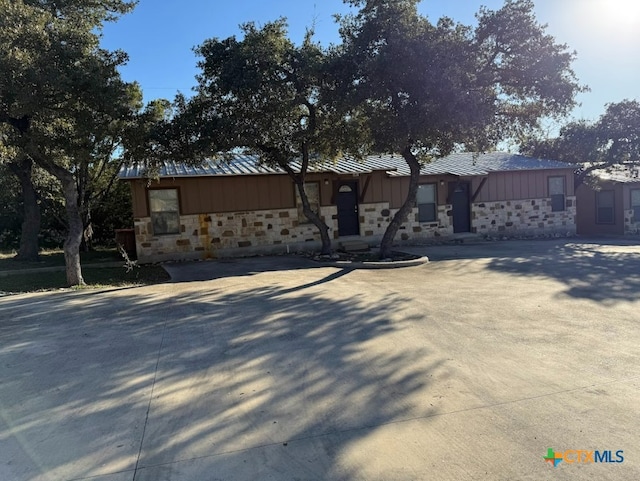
x,y
240,207
609,202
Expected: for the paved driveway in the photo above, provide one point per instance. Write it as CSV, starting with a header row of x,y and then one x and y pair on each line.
x,y
470,367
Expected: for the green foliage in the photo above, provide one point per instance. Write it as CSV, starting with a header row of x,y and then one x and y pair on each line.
x,y
154,137
96,277
55,258
426,89
266,95
62,100
52,63
11,209
529,72
396,84
433,87
107,201
618,133
612,140
90,12
114,211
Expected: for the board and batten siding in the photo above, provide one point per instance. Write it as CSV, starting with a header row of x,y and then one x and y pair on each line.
x,y
529,184
498,186
383,188
586,220
266,192
228,194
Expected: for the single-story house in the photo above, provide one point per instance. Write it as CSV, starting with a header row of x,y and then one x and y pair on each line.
x,y
240,207
609,202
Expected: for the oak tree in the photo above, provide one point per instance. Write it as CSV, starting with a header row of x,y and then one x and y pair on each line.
x,y
612,141
427,89
62,101
265,96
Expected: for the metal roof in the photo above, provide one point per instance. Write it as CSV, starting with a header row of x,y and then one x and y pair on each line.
x,y
619,173
469,164
460,164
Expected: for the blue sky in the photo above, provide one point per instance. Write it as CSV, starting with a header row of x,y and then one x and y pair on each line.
x,y
160,34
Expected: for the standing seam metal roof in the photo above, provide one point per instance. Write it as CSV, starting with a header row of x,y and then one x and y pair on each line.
x,y
624,174
459,164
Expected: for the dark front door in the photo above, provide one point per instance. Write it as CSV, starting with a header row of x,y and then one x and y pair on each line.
x,y
460,200
347,203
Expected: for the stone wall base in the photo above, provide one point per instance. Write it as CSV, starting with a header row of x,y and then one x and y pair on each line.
x,y
208,236
630,227
374,219
237,234
523,217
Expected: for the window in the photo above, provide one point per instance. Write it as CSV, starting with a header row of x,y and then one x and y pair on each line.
x,y
635,204
165,215
313,194
557,192
426,200
605,212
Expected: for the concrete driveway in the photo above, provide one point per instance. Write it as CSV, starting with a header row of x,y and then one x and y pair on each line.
x,y
467,368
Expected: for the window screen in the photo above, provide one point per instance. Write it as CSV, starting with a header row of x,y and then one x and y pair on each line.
x,y
165,215
426,200
557,193
605,212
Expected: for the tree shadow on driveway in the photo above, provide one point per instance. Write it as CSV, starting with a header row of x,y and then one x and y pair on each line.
x,y
599,272
152,381
193,271
602,270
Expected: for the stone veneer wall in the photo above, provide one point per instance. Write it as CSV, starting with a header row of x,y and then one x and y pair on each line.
x,y
228,234
245,233
630,227
374,219
530,216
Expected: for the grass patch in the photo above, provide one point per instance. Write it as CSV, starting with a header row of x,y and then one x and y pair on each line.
x,y
55,258
95,277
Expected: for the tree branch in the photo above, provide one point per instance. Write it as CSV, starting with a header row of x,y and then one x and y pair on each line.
x,y
21,124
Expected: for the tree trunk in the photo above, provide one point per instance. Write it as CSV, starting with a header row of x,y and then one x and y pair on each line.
x,y
74,235
28,250
402,214
315,219
72,202
298,179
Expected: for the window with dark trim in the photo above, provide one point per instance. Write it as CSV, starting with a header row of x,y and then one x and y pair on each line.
x,y
164,211
635,204
427,204
313,194
605,207
557,193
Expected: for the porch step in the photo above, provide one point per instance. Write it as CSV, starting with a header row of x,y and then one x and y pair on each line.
x,y
463,237
353,246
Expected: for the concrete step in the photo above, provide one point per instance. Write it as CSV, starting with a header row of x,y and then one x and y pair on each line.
x,y
463,237
353,246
